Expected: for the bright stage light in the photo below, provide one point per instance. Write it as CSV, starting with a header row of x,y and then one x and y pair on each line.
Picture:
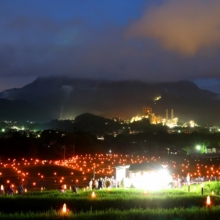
x,y
152,180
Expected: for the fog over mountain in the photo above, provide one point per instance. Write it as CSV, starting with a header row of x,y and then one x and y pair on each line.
x,y
64,97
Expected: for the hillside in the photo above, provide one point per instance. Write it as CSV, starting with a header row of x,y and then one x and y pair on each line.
x,y
21,110
64,97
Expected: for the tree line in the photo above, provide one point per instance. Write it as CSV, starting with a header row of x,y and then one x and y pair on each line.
x,y
53,144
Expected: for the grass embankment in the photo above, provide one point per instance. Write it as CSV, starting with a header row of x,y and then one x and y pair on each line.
x,y
115,204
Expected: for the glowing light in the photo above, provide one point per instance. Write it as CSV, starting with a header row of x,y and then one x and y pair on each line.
x,y
208,200
64,208
145,191
198,147
151,180
93,194
157,98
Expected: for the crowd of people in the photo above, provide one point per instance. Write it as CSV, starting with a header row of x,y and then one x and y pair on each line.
x,y
63,188
9,190
181,181
101,183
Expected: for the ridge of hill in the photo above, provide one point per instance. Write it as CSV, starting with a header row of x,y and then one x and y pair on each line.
x,y
64,97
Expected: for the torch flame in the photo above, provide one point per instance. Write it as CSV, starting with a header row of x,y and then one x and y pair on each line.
x,y
64,208
208,201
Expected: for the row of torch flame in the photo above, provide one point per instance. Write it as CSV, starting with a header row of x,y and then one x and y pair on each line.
x,y
93,195
97,162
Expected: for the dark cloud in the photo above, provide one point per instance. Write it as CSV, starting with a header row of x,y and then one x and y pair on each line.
x,y
184,26
188,33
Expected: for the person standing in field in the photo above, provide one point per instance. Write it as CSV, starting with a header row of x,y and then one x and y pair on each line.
x,y
20,189
10,190
90,184
100,185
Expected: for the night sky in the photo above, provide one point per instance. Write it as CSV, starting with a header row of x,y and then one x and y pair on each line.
x,y
146,40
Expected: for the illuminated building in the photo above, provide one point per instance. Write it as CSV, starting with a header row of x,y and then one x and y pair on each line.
x,y
155,119
147,113
172,122
191,124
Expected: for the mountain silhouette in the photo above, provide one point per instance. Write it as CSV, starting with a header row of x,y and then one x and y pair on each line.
x,y
64,97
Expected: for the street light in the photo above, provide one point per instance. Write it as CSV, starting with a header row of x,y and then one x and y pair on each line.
x,y
202,148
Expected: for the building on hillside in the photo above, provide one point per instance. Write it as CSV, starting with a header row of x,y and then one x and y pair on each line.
x,y
148,113
190,124
209,152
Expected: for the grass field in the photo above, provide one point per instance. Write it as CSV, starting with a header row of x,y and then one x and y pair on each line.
x,y
114,204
